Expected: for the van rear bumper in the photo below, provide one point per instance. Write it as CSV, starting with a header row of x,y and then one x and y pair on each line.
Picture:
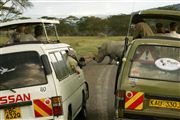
x,y
19,104
154,113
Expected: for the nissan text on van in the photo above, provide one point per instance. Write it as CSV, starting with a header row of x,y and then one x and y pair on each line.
x,y
36,80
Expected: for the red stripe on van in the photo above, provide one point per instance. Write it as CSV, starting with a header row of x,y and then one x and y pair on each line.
x,y
136,103
134,100
41,107
37,114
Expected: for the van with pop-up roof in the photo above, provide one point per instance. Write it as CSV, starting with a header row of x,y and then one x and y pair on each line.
x,y
148,78
36,80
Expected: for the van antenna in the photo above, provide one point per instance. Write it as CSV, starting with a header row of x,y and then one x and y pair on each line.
x,y
129,26
125,48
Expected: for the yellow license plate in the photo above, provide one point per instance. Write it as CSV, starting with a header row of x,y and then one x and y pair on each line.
x,y
12,113
164,104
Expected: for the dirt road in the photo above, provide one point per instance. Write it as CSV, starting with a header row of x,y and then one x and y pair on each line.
x,y
101,79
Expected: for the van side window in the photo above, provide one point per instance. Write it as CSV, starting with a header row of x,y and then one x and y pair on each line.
x,y
62,64
71,71
59,65
55,66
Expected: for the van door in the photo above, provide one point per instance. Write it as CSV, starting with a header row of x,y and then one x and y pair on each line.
x,y
25,90
77,81
154,77
69,82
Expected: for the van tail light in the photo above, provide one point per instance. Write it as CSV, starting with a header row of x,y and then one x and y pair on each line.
x,y
120,99
57,105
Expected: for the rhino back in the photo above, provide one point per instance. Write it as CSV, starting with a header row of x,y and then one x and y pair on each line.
x,y
115,48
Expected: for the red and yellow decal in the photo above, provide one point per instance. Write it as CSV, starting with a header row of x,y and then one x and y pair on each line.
x,y
134,100
42,107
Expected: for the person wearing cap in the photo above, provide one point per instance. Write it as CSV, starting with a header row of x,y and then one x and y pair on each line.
x,y
142,29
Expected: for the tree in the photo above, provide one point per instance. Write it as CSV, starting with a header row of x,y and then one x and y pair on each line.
x,y
68,26
92,25
72,19
49,18
12,9
118,24
23,18
175,7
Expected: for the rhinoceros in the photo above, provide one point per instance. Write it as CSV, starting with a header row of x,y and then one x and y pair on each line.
x,y
113,49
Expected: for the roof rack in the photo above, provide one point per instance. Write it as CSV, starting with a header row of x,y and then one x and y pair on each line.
x,y
162,37
159,14
28,21
29,42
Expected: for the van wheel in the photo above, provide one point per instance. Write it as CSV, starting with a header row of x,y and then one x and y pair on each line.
x,y
83,112
121,113
69,113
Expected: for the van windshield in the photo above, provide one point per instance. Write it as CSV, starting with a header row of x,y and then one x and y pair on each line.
x,y
156,63
21,69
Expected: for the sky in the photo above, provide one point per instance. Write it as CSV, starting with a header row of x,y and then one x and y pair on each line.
x,y
79,8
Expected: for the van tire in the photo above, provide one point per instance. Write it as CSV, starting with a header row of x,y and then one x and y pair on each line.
x,y
69,117
83,112
121,113
87,90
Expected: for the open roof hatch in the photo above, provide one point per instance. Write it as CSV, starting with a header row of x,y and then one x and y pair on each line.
x,y
49,31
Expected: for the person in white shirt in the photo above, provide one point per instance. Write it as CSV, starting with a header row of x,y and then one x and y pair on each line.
x,y
173,28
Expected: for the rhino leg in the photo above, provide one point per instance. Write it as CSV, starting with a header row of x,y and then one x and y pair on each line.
x,y
110,60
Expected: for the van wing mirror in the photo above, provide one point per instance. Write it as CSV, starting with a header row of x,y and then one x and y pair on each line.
x,y
46,64
82,62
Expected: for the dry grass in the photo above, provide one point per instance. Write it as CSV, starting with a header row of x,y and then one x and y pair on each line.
x,y
85,46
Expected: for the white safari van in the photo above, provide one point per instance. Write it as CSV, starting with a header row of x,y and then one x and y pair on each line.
x,y
36,81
